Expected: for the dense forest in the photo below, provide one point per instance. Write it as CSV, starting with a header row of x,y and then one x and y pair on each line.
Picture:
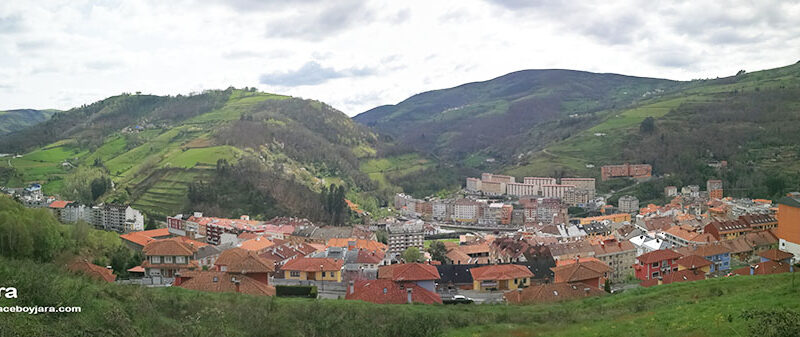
x,y
254,188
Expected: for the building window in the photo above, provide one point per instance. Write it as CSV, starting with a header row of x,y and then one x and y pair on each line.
x,y
167,259
294,273
155,259
323,274
180,259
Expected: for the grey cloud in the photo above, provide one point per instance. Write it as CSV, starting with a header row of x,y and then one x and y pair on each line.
x,y
312,73
102,64
262,5
321,24
245,54
10,24
620,30
400,17
732,37
33,45
674,58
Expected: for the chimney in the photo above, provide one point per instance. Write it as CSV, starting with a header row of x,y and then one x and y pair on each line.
x,y
352,287
408,292
236,283
244,217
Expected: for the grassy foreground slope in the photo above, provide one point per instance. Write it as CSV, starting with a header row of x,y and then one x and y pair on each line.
x,y
705,308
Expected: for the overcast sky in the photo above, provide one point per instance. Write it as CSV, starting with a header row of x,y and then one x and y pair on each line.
x,y
356,55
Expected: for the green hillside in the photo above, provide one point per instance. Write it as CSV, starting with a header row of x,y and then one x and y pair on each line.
x,y
507,115
154,149
575,122
16,120
749,120
714,307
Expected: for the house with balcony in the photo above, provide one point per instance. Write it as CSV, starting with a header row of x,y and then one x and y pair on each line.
x,y
313,269
164,258
500,277
587,272
719,254
656,264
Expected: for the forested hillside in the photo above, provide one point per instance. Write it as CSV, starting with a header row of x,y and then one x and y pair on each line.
x,y
149,150
16,120
562,123
509,114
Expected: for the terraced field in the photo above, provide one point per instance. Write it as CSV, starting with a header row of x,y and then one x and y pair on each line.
x,y
379,169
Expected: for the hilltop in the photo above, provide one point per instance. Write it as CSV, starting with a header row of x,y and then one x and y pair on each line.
x,y
712,307
167,154
509,114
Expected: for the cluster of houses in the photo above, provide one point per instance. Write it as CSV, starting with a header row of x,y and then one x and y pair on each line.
x,y
691,238
109,217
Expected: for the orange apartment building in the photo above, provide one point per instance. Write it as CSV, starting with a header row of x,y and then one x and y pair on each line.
x,y
626,170
789,224
714,188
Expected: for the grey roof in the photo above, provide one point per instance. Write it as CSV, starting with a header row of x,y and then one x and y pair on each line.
x,y
790,200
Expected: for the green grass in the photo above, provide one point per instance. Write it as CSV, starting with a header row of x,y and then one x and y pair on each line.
x,y
704,308
201,156
379,169
113,146
239,103
427,243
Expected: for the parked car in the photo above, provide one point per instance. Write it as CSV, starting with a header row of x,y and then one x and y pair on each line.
x,y
458,299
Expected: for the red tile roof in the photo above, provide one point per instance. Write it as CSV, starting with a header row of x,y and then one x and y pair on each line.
x,y
552,292
136,238
217,281
238,260
580,271
776,255
500,272
408,272
765,268
59,204
137,269
685,275
313,264
359,243
257,244
386,291
92,270
693,262
142,238
658,256
169,247
711,250
369,257
155,233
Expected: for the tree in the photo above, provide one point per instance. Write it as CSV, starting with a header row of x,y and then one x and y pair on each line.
x,y
151,223
648,125
99,187
438,251
607,286
411,254
382,237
